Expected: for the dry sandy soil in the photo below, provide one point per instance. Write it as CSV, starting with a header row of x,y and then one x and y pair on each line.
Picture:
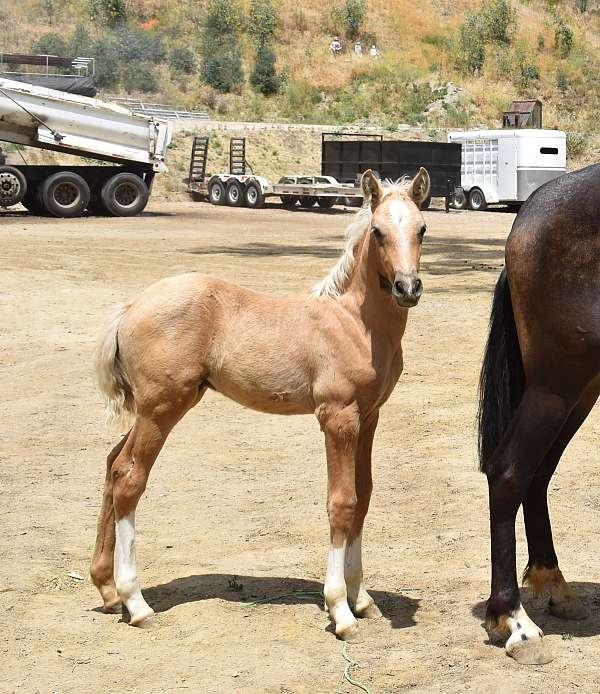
x,y
237,493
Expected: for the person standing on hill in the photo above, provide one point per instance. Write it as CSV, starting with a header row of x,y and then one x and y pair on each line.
x,y
374,52
358,49
335,46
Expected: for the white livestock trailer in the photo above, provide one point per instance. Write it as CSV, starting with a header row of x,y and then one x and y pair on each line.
x,y
508,165
86,127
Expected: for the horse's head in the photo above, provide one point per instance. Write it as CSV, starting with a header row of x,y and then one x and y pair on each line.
x,y
397,230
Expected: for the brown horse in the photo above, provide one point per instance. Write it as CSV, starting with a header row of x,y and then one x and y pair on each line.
x,y
539,381
335,352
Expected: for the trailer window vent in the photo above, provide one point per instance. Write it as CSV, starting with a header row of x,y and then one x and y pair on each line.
x,y
549,150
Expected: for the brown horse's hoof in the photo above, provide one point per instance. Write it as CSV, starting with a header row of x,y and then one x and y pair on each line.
x,y
532,651
369,612
570,608
351,633
113,606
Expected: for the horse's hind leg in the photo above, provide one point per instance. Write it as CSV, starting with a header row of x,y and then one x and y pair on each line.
x,y
130,473
536,424
340,426
542,573
102,565
362,603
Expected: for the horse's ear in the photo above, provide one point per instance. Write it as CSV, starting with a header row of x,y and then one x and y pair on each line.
x,y
371,187
419,187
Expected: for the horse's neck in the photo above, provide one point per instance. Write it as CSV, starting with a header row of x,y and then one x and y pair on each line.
x,y
375,306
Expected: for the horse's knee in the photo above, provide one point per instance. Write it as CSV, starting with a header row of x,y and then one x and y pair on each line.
x,y
129,483
341,509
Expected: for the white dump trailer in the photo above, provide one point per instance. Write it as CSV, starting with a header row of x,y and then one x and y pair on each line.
x,y
507,166
52,120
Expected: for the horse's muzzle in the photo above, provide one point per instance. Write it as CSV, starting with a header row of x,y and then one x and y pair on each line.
x,y
407,289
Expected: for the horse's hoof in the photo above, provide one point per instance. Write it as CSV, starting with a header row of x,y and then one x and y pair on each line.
x,y
528,651
350,633
113,606
570,608
144,620
369,612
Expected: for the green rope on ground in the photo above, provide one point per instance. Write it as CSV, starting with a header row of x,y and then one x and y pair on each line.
x,y
351,663
308,595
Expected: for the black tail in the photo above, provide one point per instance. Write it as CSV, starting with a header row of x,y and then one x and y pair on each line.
x,y
502,379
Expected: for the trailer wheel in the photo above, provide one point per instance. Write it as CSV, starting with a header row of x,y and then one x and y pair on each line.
x,y
64,194
13,186
123,195
308,201
326,202
235,193
460,200
254,196
425,203
289,201
216,192
477,200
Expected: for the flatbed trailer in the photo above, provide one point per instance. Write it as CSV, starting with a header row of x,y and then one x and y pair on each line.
x,y
133,147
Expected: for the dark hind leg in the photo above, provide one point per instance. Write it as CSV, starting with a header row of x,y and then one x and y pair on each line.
x,y
537,422
542,573
102,565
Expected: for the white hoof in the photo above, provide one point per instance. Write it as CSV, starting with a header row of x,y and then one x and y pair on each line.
x,y
528,651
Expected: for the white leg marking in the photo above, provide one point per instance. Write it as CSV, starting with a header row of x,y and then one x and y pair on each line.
x,y
353,569
335,591
525,643
126,578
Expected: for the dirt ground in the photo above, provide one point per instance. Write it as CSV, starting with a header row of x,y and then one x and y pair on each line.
x,y
241,494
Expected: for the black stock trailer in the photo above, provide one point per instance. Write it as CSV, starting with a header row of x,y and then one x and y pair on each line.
x,y
346,156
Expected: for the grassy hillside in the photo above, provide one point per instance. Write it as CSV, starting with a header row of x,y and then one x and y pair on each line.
x,y
541,49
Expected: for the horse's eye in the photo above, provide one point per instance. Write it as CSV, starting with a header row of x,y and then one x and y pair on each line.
x,y
421,232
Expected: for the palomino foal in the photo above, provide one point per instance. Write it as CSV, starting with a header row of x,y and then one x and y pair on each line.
x,y
335,352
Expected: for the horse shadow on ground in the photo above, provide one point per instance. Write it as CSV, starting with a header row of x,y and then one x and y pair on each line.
x,y
264,250
537,609
399,609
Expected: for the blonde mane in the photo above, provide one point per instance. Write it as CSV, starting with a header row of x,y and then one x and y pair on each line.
x,y
334,283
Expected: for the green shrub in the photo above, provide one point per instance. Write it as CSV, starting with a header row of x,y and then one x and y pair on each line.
x,y
496,18
471,46
541,42
263,22
528,72
106,53
264,76
562,82
563,38
182,60
113,13
581,5
80,41
50,44
139,77
577,144
350,16
221,53
137,46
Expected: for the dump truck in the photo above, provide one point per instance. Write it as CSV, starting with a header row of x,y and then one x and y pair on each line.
x,y
126,150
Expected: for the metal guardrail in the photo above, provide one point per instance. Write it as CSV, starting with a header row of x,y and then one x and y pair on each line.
x,y
159,110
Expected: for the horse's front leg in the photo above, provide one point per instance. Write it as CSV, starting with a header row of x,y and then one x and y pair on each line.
x,y
340,425
362,603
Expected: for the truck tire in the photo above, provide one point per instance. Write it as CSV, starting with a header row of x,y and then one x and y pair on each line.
x,y
216,192
13,186
289,201
235,194
123,195
477,200
308,201
64,194
326,202
254,196
460,201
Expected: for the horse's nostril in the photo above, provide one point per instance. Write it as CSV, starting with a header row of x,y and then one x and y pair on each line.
x,y
398,287
418,287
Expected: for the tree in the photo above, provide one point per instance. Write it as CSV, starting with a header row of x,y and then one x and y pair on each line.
x,y
222,62
110,12
50,44
264,76
263,22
